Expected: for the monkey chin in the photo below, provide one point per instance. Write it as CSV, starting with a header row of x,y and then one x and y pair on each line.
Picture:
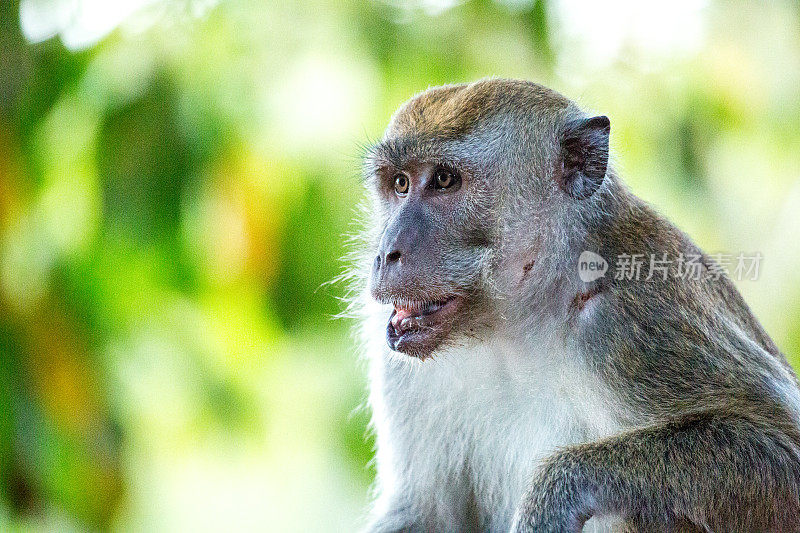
x,y
417,329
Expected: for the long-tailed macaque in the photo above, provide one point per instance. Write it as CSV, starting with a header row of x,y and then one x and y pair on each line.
x,y
512,393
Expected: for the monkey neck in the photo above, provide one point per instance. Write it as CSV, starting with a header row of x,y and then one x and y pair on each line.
x,y
539,276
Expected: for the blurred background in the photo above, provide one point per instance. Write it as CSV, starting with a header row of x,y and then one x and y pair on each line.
x,y
177,178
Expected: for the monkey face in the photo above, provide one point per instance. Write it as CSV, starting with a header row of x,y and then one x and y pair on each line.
x,y
470,183
427,263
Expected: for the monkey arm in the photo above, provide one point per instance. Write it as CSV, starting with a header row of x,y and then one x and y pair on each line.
x,y
709,472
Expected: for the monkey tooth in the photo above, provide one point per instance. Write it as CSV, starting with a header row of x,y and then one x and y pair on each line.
x,y
410,316
421,309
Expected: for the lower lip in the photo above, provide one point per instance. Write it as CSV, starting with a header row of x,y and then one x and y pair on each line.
x,y
425,331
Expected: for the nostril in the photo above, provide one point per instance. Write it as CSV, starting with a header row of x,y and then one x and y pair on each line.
x,y
393,256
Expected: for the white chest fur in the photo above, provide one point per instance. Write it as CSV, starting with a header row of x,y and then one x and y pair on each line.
x,y
473,423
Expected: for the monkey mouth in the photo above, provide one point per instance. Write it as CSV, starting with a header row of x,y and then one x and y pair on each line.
x,y
418,328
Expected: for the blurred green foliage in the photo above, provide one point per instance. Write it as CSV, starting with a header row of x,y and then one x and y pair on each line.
x,y
174,196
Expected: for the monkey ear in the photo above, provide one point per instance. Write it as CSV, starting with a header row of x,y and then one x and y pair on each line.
x,y
584,156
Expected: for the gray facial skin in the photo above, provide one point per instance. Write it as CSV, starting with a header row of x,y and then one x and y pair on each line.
x,y
429,284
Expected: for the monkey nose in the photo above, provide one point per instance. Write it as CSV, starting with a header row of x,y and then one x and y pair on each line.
x,y
393,256
386,260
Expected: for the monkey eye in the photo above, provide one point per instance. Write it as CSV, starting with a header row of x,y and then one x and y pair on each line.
x,y
401,184
445,178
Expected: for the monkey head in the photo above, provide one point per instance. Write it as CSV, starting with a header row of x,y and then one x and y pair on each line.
x,y
469,182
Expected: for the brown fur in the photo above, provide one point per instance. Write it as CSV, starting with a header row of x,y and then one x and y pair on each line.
x,y
452,111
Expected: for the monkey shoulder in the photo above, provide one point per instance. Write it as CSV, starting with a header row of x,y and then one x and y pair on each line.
x,y
667,345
